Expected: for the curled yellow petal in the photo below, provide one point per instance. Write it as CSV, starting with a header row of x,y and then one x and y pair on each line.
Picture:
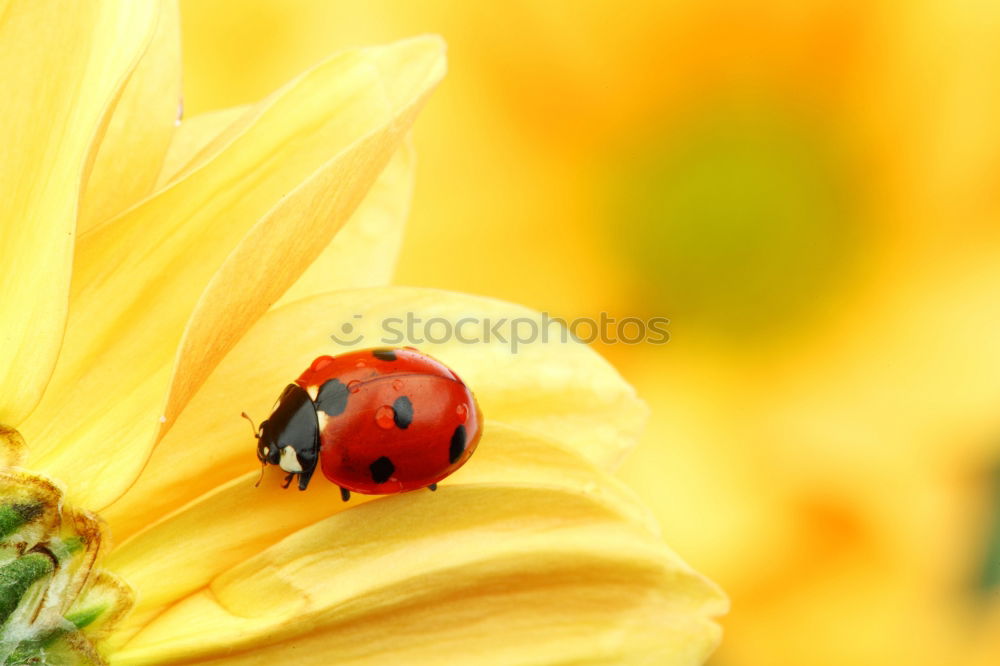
x,y
196,264
139,129
67,62
364,251
563,390
402,578
236,520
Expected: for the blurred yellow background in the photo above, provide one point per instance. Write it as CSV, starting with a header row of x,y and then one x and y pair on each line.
x,y
810,191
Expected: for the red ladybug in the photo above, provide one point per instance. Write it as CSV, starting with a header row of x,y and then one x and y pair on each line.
x,y
378,421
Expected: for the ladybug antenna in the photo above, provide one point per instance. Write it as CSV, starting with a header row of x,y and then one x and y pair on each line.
x,y
261,477
256,433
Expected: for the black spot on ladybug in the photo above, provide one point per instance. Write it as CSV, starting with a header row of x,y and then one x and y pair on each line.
x,y
457,444
332,397
384,354
402,410
381,470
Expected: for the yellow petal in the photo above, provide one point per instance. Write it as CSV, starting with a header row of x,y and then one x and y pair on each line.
x,y
563,390
364,251
195,134
197,263
236,520
239,294
139,129
63,65
472,574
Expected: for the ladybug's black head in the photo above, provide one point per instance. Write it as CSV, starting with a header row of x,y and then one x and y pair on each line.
x,y
263,450
267,444
290,436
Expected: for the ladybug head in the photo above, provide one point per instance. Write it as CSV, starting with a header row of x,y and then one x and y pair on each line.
x,y
290,436
267,444
267,453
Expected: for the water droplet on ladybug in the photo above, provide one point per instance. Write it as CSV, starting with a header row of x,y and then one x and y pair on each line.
x,y
354,386
462,411
359,364
385,417
397,384
321,363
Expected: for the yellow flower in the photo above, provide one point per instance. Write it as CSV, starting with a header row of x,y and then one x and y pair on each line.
x,y
830,392
161,276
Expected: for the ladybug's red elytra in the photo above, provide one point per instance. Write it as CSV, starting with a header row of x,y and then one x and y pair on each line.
x,y
377,421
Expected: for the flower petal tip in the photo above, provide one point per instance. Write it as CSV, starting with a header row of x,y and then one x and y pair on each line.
x,y
13,450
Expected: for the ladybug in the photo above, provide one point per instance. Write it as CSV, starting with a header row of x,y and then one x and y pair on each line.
x,y
377,421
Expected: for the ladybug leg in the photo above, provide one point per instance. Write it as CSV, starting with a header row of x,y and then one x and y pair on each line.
x,y
288,480
432,487
345,494
304,477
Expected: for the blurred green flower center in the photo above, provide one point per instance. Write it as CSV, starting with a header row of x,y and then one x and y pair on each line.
x,y
741,219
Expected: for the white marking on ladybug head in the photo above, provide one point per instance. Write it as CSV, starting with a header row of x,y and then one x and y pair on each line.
x,y
313,392
321,419
289,460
